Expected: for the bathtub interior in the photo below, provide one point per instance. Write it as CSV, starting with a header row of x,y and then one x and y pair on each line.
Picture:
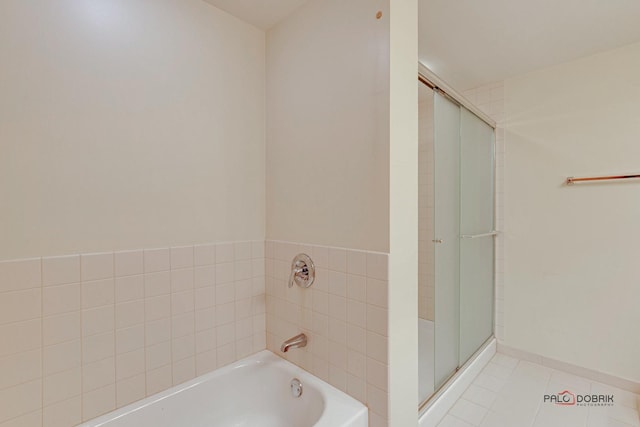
x,y
253,392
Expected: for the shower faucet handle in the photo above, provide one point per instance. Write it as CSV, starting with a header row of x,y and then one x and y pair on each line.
x,y
303,271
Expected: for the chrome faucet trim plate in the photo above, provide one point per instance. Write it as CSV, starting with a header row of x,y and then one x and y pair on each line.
x,y
303,272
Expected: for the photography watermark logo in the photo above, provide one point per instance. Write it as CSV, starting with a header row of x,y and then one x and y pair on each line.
x,y
567,398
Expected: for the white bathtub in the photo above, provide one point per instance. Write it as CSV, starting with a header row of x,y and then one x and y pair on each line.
x,y
253,392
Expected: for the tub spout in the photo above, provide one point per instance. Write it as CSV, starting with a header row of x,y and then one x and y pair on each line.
x,y
299,340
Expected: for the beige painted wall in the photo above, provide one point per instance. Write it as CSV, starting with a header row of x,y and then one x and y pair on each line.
x,y
128,124
571,268
328,126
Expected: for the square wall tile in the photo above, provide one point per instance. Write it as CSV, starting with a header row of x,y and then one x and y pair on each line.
x,y
205,297
337,283
130,390
184,370
157,284
225,273
20,400
98,402
98,347
157,308
59,299
204,276
98,293
156,260
357,288
320,256
129,263
378,292
158,355
157,332
97,266
377,320
130,339
98,374
98,320
60,328
60,270
62,386
377,400
206,362
242,251
258,249
129,314
182,280
204,255
16,306
20,368
378,347
378,266
20,274
181,257
182,325
226,354
130,364
129,288
159,379
62,414
357,262
338,260
225,253
62,357
183,347
205,341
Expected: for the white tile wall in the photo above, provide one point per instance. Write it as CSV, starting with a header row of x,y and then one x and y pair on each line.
x,y
85,334
490,99
344,315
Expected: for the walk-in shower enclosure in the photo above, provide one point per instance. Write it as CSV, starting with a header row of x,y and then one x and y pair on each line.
x,y
456,235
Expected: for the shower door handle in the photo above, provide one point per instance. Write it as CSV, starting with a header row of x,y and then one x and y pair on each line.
x,y
437,241
475,236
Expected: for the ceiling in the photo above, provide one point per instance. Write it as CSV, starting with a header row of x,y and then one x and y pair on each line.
x,y
469,43
263,14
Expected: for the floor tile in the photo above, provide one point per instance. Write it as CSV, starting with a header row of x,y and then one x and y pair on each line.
x,y
510,393
451,421
498,371
481,396
468,411
489,382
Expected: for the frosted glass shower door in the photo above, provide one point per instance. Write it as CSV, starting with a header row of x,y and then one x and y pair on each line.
x,y
446,237
477,233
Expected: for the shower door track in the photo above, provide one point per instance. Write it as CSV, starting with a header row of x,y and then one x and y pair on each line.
x,y
459,371
430,79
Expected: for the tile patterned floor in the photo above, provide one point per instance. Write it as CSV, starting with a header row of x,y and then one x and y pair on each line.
x,y
509,393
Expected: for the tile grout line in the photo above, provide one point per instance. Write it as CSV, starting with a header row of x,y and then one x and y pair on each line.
x,y
81,337
42,342
539,406
193,290
171,316
115,353
144,323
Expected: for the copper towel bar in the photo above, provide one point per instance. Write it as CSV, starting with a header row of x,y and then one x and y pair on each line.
x,y
571,180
